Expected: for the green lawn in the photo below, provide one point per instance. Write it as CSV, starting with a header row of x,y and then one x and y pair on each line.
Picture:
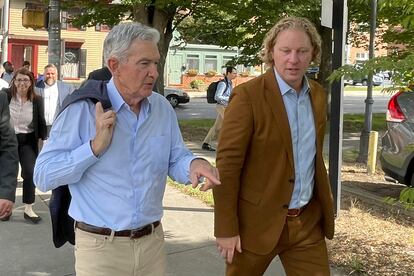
x,y
196,130
355,122
362,88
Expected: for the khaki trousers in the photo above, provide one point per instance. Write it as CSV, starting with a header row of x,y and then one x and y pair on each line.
x,y
215,129
100,255
301,249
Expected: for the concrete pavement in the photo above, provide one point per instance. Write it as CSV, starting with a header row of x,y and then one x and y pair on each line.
x,y
27,249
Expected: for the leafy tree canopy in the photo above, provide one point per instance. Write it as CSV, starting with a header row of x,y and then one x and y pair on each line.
x,y
395,21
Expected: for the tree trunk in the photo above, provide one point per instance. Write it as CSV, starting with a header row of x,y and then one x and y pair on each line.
x,y
325,68
160,19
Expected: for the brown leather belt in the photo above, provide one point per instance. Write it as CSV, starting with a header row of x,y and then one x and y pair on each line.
x,y
132,234
292,213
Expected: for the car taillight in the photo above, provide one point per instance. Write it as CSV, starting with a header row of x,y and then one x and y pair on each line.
x,y
394,112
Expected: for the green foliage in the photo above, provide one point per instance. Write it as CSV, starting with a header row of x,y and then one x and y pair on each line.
x,y
238,24
406,198
402,70
357,266
195,84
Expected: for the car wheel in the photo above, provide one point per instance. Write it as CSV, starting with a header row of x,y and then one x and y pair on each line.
x,y
173,100
364,83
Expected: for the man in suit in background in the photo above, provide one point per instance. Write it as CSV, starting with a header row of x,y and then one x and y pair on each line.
x,y
8,74
8,161
275,197
53,93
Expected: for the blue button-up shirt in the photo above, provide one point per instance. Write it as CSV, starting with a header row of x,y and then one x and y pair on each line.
x,y
123,188
302,129
223,92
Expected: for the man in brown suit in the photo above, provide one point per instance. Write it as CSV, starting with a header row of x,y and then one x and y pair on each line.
x,y
275,197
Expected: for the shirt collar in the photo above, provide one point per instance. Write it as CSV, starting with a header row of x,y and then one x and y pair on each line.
x,y
117,101
49,86
284,87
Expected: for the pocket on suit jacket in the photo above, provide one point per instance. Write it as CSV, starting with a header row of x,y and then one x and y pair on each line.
x,y
251,196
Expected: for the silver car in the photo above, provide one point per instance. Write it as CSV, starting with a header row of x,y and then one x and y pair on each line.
x,y
397,154
176,96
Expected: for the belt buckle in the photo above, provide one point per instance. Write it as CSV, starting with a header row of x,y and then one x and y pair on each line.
x,y
140,232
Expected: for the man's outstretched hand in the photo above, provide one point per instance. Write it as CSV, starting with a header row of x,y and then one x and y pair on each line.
x,y
202,168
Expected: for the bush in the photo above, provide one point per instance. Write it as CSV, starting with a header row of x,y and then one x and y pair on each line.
x,y
195,84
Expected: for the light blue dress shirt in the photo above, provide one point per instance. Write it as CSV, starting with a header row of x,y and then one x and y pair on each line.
x,y
123,188
302,129
223,92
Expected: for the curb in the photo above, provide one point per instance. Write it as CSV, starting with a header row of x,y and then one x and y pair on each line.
x,y
377,200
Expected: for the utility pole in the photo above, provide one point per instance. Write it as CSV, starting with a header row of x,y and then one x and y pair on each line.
x,y
5,31
54,43
369,101
339,24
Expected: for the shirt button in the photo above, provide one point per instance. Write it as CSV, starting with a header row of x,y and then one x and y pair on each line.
x,y
285,206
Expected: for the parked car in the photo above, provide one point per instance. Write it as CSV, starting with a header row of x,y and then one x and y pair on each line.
x,y
312,72
376,80
176,96
397,153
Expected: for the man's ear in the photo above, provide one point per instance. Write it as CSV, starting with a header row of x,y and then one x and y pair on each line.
x,y
113,66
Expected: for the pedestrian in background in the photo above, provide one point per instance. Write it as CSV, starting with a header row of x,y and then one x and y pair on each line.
x,y
275,197
53,92
8,161
26,64
27,116
8,73
115,156
223,92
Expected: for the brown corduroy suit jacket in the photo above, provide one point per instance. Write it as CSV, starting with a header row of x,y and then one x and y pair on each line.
x,y
255,161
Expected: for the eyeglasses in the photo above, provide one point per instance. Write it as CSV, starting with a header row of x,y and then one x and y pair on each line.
x,y
22,80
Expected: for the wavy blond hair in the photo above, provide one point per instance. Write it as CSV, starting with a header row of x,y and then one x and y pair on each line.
x,y
289,23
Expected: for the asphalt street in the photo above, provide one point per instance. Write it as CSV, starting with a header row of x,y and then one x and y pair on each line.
x,y
354,102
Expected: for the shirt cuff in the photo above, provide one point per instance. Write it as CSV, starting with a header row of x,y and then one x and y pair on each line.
x,y
84,156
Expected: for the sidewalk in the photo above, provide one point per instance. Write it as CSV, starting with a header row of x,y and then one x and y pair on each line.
x,y
27,249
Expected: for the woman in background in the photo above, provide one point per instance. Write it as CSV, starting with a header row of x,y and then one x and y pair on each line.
x,y
27,117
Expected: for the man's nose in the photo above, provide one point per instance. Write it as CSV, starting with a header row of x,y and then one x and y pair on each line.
x,y
153,71
294,57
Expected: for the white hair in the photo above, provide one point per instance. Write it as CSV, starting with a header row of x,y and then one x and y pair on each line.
x,y
120,38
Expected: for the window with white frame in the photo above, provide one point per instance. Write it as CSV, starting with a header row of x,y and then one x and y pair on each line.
x,y
193,62
210,63
226,59
362,56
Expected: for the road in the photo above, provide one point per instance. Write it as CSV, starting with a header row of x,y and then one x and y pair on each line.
x,y
198,108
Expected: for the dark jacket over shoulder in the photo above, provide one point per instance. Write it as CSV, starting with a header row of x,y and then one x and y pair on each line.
x,y
8,152
62,223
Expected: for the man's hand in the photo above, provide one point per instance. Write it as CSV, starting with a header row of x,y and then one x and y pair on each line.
x,y
6,208
226,247
202,168
105,124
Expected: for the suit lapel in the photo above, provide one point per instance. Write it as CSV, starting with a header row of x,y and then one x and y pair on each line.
x,y
315,106
275,101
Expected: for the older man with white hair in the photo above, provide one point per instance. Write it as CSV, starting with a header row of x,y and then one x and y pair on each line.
x,y
115,156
